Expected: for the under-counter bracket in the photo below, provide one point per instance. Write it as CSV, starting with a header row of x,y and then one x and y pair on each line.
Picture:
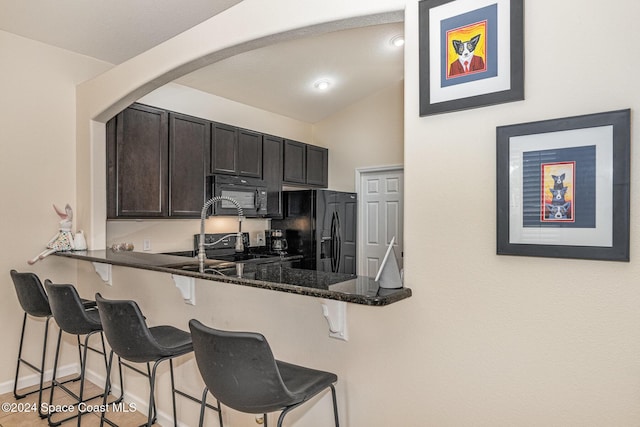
x,y
187,287
336,314
104,271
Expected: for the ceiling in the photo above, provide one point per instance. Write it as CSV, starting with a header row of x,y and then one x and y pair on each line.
x,y
277,78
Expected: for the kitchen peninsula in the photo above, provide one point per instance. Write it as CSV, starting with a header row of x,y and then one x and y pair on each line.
x,y
273,276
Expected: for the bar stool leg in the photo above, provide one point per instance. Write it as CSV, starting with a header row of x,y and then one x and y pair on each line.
x,y
152,401
53,378
107,364
38,370
173,393
83,367
41,369
203,406
335,405
15,383
107,386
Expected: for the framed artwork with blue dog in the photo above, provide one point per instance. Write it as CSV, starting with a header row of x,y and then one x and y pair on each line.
x,y
563,187
471,54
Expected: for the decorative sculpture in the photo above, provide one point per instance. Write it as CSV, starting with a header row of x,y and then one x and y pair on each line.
x,y
63,240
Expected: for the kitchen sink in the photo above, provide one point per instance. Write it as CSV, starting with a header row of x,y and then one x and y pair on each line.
x,y
228,269
223,260
210,266
243,257
222,270
193,265
228,256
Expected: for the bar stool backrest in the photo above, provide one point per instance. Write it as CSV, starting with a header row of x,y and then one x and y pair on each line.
x,y
239,369
31,294
127,331
68,309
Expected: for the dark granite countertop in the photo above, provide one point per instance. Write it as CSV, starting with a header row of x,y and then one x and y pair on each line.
x,y
274,276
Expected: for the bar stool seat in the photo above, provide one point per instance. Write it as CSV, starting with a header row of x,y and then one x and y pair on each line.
x,y
35,302
171,342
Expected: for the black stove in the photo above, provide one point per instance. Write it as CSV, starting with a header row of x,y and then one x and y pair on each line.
x,y
225,249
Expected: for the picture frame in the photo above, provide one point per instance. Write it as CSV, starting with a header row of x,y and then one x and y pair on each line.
x,y
487,36
563,187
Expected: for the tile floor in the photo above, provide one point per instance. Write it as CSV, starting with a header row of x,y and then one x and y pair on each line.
x,y
23,412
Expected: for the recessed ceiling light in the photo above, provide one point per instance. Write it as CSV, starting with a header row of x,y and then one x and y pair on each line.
x,y
397,41
322,84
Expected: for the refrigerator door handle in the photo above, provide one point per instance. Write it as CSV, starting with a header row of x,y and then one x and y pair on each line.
x,y
338,243
334,242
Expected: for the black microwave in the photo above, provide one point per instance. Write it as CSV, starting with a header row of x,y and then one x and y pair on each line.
x,y
250,193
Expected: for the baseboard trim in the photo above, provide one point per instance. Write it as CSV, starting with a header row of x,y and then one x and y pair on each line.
x,y
34,378
141,404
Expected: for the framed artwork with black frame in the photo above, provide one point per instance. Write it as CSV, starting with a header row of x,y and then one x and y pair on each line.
x,y
471,54
563,187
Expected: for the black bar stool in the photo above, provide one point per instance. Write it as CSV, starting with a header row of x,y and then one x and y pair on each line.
x,y
131,339
72,317
34,302
240,371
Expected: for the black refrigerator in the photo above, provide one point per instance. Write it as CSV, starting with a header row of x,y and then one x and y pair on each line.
x,y
321,225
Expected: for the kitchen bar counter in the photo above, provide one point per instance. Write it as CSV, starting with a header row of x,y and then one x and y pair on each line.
x,y
272,276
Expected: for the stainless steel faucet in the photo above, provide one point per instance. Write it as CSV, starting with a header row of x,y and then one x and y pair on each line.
x,y
202,254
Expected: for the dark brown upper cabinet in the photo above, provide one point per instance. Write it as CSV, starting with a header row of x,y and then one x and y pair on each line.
x,y
137,159
224,149
317,166
272,174
294,162
249,153
236,151
189,147
305,165
157,164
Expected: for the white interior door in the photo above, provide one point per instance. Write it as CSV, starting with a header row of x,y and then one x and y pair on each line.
x,y
381,208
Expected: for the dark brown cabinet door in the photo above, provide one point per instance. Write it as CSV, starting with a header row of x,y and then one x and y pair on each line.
x,y
189,142
294,168
317,166
272,174
137,163
305,164
224,149
249,153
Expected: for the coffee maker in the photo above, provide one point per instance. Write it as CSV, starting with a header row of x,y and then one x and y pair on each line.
x,y
276,243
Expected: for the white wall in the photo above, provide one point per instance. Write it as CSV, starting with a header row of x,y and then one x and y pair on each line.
x,y
176,97
368,133
37,169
